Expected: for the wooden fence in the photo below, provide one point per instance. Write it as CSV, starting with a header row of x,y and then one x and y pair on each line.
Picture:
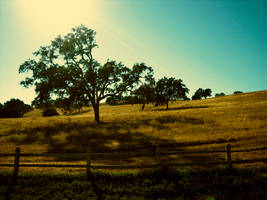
x,y
157,154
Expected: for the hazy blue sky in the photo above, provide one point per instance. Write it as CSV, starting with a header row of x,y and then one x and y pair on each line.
x,y
214,44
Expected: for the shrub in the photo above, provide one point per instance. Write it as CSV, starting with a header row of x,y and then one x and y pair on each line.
x,y
219,94
238,92
6,113
14,108
48,112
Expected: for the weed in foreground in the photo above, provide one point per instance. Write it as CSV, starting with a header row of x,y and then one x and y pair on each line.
x,y
218,183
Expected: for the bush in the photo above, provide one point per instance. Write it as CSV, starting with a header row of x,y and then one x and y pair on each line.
x,y
14,108
219,94
48,112
238,92
6,113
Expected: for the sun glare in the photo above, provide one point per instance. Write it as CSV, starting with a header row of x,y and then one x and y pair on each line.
x,y
57,16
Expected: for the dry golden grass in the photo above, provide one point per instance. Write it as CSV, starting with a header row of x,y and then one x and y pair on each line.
x,y
239,119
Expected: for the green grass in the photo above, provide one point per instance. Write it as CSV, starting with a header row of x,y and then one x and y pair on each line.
x,y
218,183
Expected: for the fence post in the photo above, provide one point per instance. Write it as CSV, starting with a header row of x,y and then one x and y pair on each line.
x,y
16,163
15,174
158,155
228,155
88,168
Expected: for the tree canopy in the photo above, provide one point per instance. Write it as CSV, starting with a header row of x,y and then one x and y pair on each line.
x,y
219,94
198,94
66,69
201,93
14,108
168,89
206,93
145,94
237,92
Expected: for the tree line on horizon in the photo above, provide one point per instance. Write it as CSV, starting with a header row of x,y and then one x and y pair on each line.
x,y
15,108
66,75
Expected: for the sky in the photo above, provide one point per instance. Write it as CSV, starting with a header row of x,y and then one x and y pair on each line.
x,y
214,44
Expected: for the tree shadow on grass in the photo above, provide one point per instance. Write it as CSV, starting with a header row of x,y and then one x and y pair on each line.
x,y
80,112
109,137
180,108
181,119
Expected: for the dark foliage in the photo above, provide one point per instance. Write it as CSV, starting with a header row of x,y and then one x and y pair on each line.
x,y
48,112
206,93
66,69
132,99
72,103
219,183
198,94
114,100
14,108
219,94
170,89
145,94
201,93
238,92
120,100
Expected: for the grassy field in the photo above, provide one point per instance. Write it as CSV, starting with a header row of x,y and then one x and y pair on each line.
x,y
240,120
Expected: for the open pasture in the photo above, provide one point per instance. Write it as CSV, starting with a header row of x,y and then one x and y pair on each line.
x,y
239,120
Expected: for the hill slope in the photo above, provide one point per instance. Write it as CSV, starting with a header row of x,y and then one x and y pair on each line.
x,y
239,119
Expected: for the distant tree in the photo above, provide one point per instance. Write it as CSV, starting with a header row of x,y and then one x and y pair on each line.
x,y
2,111
219,94
206,93
73,102
67,65
119,100
14,108
168,89
198,94
114,100
17,105
43,101
201,93
159,99
131,99
238,92
145,94
63,103
79,102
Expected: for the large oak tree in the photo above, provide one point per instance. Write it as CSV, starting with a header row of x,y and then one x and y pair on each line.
x,y
66,68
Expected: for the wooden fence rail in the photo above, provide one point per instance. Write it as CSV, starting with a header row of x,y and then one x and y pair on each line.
x,y
158,153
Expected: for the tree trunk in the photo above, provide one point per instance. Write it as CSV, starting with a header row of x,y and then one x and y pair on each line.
x,y
143,106
96,110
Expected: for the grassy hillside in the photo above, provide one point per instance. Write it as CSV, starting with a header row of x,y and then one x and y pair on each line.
x,y
239,119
